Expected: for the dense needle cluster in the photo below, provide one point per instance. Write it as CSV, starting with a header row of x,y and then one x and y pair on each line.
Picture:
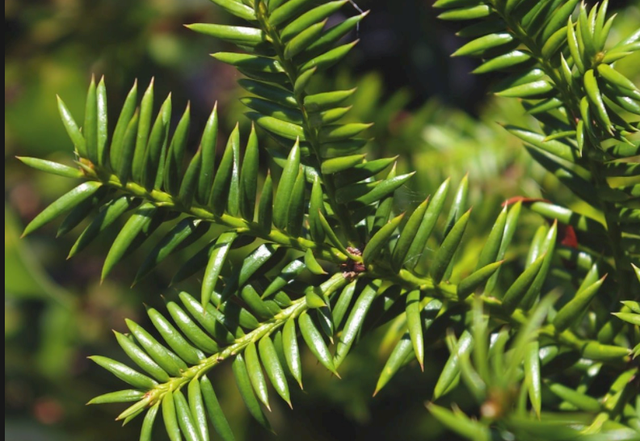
x,y
518,347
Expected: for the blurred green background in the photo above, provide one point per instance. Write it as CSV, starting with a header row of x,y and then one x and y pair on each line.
x,y
426,106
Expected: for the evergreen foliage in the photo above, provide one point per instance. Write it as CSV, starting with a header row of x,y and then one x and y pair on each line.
x,y
330,257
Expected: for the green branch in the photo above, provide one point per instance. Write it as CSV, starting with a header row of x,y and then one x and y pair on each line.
x,y
241,225
311,133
